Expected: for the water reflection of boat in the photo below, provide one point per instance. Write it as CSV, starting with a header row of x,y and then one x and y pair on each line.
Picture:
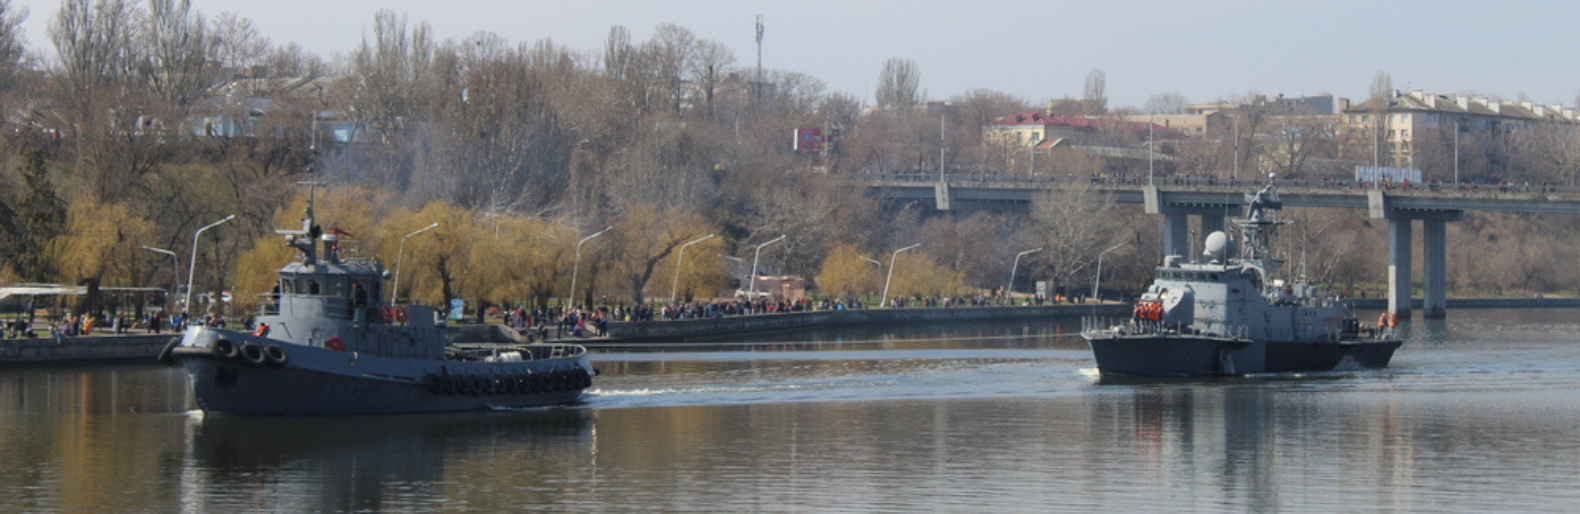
x,y
330,345
361,463
1228,316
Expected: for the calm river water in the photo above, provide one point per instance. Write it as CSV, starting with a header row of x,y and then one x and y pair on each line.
x,y
1480,413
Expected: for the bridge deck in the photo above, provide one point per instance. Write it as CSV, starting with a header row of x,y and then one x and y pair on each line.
x,y
985,190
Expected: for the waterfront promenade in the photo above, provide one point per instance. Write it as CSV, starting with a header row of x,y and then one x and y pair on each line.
x,y
139,345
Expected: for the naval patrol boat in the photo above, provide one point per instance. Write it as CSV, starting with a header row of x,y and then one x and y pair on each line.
x,y
1227,315
331,346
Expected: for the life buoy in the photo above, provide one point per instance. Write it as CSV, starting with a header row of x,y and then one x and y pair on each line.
x,y
386,313
400,314
252,354
274,355
334,343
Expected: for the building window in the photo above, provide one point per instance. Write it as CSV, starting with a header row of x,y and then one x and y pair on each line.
x,y
1404,133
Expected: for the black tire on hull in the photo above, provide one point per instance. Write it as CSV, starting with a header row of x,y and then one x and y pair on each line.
x,y
252,354
226,349
275,356
167,355
431,383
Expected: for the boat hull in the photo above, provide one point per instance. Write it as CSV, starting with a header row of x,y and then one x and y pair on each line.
x,y
320,381
1156,355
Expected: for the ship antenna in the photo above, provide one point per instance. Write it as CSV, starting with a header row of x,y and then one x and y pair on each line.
x,y
305,239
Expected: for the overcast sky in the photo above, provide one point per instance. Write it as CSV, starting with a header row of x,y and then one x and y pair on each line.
x,y
1037,49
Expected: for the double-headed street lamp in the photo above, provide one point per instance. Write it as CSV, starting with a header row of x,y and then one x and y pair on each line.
x,y
401,255
577,264
1010,289
890,278
680,258
175,272
752,289
192,265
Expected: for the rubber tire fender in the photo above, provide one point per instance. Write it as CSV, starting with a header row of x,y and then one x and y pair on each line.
x,y
226,349
166,356
275,356
252,354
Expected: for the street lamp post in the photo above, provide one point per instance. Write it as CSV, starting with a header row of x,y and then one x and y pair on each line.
x,y
186,303
1098,277
400,255
890,278
577,266
680,258
175,272
752,289
1008,290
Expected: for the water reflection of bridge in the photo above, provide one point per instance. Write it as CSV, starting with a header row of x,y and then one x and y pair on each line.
x,y
1213,200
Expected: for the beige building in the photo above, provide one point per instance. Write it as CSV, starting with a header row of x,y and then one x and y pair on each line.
x,y
1399,130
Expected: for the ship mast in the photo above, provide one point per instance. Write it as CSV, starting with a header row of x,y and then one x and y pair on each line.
x,y
305,239
1257,229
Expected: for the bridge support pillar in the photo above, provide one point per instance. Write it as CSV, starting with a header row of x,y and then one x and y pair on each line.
x,y
1176,234
1399,285
1434,267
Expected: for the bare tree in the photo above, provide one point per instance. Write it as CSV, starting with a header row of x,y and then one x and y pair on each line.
x,y
392,69
176,55
94,42
1078,224
12,44
898,85
1095,95
291,60
237,45
1166,103
1547,152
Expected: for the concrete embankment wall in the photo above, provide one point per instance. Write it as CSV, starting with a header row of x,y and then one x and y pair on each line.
x,y
678,330
75,349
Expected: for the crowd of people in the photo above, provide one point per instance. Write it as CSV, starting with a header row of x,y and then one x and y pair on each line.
x,y
544,323
87,324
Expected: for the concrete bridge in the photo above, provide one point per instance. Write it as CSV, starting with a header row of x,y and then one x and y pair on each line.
x,y
1213,201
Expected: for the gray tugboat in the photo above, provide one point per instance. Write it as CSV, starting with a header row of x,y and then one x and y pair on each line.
x,y
1228,316
331,346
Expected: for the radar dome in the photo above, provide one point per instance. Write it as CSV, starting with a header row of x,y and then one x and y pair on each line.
x,y
1219,246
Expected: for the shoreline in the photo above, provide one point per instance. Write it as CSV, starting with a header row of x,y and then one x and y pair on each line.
x,y
122,348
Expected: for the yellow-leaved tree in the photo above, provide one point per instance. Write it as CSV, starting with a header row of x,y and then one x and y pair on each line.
x,y
520,260
915,274
102,246
645,239
437,264
846,271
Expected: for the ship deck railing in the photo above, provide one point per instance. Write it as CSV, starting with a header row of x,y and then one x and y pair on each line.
x,y
1136,326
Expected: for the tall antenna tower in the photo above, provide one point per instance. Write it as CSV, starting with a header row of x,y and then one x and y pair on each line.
x,y
759,53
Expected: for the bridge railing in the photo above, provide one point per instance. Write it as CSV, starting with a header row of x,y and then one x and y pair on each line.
x,y
1215,183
